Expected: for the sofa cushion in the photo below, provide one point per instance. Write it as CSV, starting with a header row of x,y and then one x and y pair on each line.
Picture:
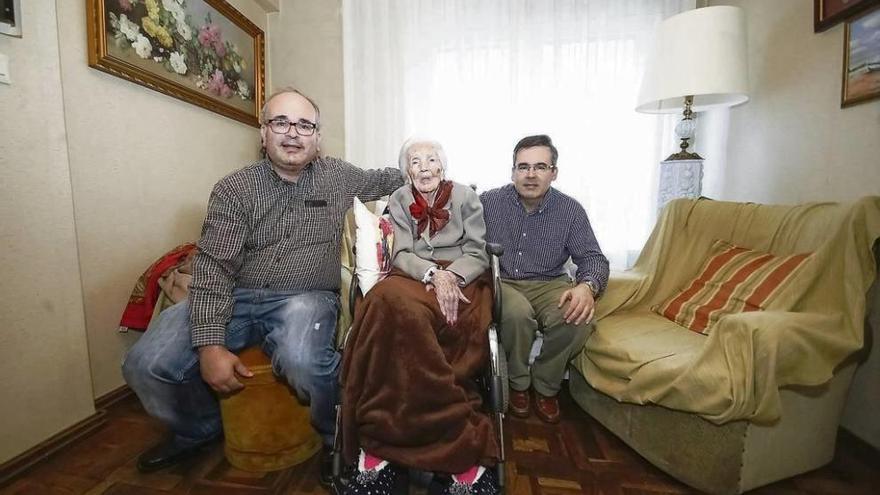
x,y
634,346
374,242
732,279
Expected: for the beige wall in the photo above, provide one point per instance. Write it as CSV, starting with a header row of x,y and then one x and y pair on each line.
x,y
43,357
141,166
99,177
306,52
793,143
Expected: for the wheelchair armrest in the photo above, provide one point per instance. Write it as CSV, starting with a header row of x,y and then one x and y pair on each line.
x,y
495,251
353,290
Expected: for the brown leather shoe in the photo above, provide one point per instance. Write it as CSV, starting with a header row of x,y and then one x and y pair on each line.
x,y
519,403
547,408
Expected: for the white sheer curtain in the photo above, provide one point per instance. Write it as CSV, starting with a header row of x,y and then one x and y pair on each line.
x,y
479,75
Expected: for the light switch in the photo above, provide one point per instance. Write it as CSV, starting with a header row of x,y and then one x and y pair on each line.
x,y
4,70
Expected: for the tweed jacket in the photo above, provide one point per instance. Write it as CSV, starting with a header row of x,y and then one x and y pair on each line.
x,y
462,241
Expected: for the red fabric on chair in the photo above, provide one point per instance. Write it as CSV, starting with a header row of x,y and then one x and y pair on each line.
x,y
142,301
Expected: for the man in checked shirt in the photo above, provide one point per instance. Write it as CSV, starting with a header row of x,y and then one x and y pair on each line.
x,y
267,273
540,228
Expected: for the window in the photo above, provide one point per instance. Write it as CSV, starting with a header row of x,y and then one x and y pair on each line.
x,y
479,75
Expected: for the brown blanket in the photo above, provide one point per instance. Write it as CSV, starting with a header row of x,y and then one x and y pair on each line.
x,y
408,392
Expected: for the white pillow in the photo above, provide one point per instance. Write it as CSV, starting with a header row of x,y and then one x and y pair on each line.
x,y
373,242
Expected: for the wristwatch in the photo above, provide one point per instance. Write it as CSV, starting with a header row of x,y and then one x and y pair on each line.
x,y
429,275
592,287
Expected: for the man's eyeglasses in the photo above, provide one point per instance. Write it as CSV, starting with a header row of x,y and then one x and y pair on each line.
x,y
282,126
524,168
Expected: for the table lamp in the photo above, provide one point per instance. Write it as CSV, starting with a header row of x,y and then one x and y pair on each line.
x,y
698,62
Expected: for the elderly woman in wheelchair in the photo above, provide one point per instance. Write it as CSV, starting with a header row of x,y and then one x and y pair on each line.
x,y
409,398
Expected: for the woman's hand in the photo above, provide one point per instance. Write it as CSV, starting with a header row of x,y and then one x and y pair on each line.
x,y
445,285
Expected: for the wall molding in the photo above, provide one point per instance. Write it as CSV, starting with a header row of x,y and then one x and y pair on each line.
x,y
16,466
12,468
112,397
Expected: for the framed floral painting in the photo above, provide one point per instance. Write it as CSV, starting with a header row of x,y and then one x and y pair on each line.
x,y
861,59
201,51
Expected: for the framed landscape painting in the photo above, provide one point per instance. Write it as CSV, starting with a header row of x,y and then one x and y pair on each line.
x,y
203,52
861,59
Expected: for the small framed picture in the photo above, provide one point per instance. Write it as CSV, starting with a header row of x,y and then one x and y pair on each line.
x,y
861,59
10,17
827,13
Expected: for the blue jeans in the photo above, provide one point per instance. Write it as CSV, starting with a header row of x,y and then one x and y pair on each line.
x,y
295,328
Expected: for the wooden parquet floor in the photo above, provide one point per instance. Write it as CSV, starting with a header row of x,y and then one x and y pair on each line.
x,y
576,456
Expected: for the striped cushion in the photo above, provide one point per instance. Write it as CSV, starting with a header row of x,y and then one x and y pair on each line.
x,y
733,279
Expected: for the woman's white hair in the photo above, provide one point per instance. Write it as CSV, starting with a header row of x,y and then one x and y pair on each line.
x,y
403,159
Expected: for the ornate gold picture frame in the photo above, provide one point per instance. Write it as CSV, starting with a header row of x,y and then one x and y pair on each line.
x,y
203,52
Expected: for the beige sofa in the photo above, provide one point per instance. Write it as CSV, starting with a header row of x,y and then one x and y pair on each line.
x,y
759,398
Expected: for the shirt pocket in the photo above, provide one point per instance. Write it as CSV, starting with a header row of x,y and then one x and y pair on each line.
x,y
317,225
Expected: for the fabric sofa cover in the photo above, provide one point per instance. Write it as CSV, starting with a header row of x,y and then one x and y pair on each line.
x,y
686,400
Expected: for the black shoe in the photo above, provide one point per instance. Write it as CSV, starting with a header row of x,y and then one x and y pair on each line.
x,y
168,453
390,480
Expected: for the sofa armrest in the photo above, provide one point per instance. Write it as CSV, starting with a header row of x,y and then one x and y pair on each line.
x,y
807,346
759,352
625,289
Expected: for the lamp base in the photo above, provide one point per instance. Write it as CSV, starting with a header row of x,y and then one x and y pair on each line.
x,y
683,155
679,178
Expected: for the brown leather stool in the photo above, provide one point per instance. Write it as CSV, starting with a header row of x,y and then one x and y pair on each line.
x,y
266,427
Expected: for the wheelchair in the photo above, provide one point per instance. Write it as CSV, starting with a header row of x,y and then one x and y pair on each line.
x,y
493,383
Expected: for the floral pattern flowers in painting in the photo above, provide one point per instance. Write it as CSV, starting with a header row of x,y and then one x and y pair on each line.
x,y
165,32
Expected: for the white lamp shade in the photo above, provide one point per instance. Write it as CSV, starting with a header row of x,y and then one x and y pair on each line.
x,y
701,52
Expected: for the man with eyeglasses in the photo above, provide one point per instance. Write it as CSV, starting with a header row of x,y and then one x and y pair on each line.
x,y
540,228
267,273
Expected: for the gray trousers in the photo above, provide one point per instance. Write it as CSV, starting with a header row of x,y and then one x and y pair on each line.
x,y
529,306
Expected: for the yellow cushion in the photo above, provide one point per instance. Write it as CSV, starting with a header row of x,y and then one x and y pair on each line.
x,y
629,343
733,279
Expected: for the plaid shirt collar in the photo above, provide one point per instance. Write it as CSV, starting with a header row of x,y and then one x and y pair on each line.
x,y
305,177
549,198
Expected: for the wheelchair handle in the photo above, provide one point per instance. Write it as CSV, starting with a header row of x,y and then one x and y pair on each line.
x,y
494,249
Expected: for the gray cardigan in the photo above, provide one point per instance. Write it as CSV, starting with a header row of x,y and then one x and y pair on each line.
x,y
462,241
